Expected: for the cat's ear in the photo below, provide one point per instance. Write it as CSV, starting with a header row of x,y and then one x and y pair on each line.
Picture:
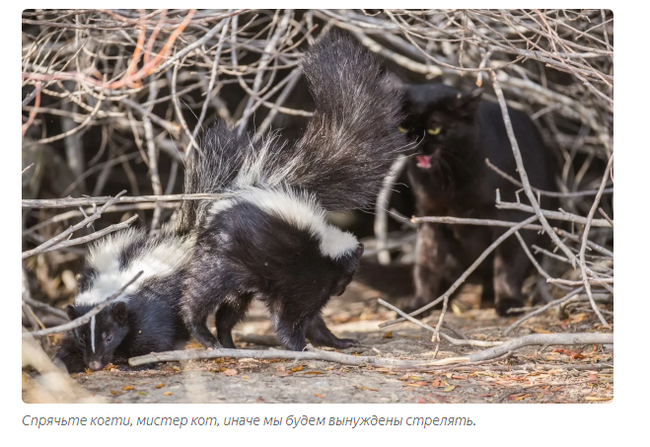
x,y
467,103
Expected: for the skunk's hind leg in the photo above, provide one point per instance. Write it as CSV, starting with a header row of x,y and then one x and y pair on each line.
x,y
318,333
228,315
196,307
199,329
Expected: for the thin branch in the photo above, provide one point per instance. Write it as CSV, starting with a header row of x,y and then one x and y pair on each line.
x,y
67,233
85,201
522,170
470,269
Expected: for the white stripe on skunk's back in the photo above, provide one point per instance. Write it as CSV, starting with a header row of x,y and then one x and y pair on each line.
x,y
157,257
299,209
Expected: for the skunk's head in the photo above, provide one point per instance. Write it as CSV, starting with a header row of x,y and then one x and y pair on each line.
x,y
99,338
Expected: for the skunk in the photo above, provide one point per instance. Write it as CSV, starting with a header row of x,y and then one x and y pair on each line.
x,y
146,318
271,240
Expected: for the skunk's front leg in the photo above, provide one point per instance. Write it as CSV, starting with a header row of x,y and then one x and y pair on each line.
x,y
318,333
70,356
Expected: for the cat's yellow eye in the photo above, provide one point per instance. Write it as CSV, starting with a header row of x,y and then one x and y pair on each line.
x,y
435,131
402,129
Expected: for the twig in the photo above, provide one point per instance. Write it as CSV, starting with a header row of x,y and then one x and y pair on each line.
x,y
467,272
522,170
47,308
583,246
604,214
555,215
91,237
310,354
453,341
542,339
543,309
381,215
85,201
56,240
591,192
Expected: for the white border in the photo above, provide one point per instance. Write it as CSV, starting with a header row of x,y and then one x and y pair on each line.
x,y
531,425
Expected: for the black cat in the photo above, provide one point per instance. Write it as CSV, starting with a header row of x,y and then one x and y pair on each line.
x,y
455,132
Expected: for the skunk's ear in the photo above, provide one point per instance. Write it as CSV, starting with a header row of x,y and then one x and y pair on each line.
x,y
71,311
395,81
467,103
119,312
359,251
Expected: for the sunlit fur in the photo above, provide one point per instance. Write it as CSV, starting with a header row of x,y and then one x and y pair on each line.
x,y
271,239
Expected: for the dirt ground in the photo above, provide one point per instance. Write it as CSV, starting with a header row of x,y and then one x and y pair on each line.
x,y
563,374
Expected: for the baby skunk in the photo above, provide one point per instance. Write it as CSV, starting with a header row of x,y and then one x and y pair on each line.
x,y
146,318
272,240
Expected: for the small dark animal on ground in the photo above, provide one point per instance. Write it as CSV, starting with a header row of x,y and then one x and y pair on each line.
x,y
455,133
146,318
272,241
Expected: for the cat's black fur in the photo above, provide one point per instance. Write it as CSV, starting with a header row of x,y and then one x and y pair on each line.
x,y
455,132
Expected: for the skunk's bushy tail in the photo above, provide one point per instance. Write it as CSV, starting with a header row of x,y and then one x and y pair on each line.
x,y
345,152
352,139
210,169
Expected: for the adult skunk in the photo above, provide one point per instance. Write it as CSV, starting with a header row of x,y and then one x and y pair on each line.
x,y
146,318
272,241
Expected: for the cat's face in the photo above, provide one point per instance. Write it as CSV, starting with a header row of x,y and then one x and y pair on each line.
x,y
440,120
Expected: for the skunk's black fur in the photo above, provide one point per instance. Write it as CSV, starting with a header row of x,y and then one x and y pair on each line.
x,y
272,240
146,318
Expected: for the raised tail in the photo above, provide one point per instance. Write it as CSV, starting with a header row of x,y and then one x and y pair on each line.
x,y
344,154
210,169
352,140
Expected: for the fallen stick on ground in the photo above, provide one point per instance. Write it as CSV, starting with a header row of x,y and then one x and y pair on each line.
x,y
310,354
489,365
542,339
453,341
347,359
542,309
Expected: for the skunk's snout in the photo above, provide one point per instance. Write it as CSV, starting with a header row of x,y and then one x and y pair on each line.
x,y
95,365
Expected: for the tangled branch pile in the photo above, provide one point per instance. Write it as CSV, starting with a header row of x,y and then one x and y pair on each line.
x,y
113,99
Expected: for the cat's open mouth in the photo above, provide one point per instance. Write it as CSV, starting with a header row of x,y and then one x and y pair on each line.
x,y
424,161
